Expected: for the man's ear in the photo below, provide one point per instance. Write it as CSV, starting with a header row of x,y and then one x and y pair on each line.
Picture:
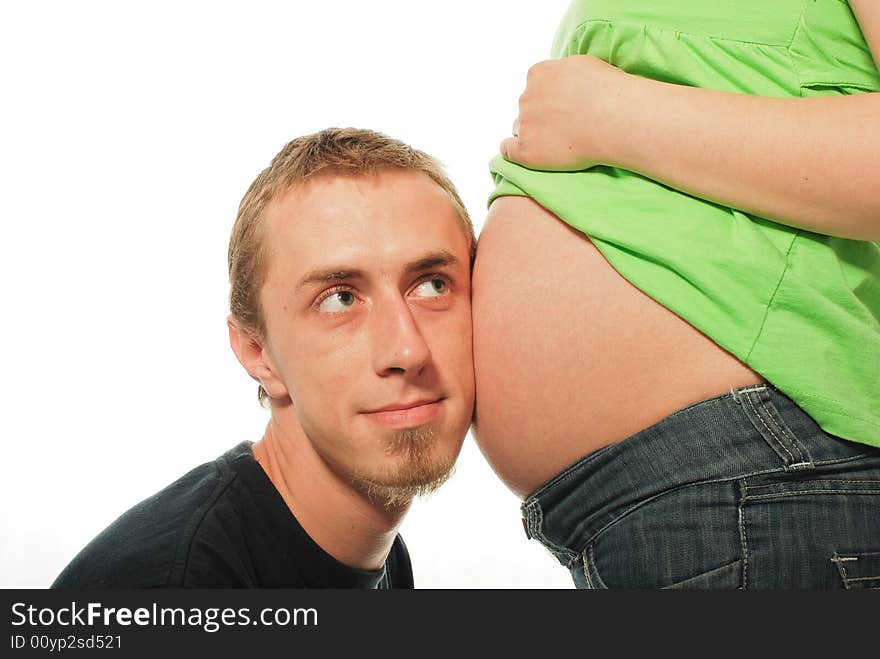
x,y
252,355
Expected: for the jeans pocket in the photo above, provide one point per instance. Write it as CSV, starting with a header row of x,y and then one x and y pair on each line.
x,y
687,533
726,577
813,533
858,570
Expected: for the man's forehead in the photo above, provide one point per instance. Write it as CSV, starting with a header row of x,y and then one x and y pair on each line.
x,y
368,196
361,221
353,184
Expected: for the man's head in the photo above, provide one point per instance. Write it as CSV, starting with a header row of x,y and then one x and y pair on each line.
x,y
349,266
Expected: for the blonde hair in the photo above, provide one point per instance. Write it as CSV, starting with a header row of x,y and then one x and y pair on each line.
x,y
330,152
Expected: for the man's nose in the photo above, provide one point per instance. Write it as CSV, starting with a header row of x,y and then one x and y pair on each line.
x,y
398,344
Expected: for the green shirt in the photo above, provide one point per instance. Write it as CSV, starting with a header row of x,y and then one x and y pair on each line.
x,y
800,308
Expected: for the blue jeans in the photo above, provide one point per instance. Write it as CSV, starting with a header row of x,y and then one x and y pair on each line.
x,y
743,490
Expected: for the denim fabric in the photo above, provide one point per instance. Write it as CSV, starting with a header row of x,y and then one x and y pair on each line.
x,y
743,490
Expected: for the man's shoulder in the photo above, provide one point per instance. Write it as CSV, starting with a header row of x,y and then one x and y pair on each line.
x,y
155,543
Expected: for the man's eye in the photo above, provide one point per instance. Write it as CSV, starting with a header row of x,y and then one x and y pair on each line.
x,y
431,288
336,302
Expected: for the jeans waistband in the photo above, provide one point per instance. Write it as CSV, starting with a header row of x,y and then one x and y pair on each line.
x,y
748,431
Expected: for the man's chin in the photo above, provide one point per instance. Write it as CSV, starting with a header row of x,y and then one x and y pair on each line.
x,y
417,473
397,494
415,462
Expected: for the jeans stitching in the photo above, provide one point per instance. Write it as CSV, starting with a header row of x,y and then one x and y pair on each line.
x,y
677,585
761,419
743,538
535,523
786,431
750,389
587,573
838,560
779,495
527,517
599,581
823,480
823,463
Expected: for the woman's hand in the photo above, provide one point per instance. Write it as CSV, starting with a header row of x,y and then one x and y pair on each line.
x,y
810,163
563,122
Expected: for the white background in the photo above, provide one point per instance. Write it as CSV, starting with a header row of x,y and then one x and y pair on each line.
x,y
128,134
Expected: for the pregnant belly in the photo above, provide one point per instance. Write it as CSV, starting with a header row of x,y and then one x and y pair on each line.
x,y
569,356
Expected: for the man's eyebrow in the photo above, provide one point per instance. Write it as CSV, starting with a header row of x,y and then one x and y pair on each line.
x,y
429,261
327,275
438,259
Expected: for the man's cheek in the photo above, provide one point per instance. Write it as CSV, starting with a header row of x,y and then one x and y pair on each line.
x,y
461,336
336,383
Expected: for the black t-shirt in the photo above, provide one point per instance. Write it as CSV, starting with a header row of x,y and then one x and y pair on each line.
x,y
222,525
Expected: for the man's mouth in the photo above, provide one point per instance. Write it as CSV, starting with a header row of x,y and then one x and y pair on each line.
x,y
406,414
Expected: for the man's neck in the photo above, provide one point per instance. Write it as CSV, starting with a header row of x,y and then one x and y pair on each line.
x,y
349,526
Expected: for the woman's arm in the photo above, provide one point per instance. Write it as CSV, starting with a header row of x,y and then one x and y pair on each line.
x,y
811,163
